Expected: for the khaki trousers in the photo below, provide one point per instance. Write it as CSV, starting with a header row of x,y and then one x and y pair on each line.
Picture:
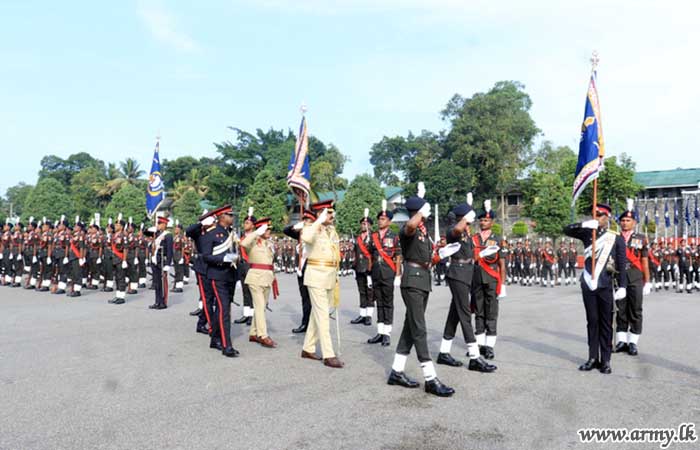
x,y
319,326
260,295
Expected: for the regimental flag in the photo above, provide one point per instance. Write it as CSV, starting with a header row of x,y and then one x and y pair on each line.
x,y
697,211
154,190
656,213
667,219
687,213
299,175
591,148
646,215
675,212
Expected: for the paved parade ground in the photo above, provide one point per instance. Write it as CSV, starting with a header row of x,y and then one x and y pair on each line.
x,y
84,374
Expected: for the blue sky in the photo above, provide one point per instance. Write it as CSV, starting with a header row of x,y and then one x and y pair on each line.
x,y
107,77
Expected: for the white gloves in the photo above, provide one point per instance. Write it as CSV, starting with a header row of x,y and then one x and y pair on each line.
x,y
425,210
503,291
298,226
208,221
154,260
136,261
471,215
65,260
322,217
11,256
48,260
620,293
81,262
34,260
230,257
397,281
658,269
181,261
27,268
99,261
490,250
263,228
647,289
124,265
590,224
675,267
369,282
166,268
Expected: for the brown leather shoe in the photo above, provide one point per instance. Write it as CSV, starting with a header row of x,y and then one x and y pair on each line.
x,y
333,362
252,338
308,355
267,342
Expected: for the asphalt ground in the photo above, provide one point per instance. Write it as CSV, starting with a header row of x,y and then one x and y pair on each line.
x,y
84,374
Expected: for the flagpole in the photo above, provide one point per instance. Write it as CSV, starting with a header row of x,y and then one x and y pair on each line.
x,y
594,64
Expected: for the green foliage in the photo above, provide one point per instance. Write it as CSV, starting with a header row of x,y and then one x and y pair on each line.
x,y
83,191
497,229
519,229
177,169
63,170
48,198
267,195
363,192
130,201
17,196
615,185
186,209
547,203
650,228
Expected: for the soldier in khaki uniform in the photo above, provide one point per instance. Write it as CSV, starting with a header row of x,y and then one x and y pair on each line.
x,y
321,277
260,278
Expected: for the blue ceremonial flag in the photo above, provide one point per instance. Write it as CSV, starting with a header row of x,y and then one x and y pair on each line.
x,y
667,219
591,148
646,214
697,211
687,214
154,190
675,212
656,213
299,175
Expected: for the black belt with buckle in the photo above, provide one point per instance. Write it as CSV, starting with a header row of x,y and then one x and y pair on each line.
x,y
462,261
419,265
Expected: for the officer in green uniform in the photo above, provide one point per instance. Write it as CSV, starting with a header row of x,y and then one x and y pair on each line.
x,y
415,289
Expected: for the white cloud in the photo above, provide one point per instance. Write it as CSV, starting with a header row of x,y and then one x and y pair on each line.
x,y
162,25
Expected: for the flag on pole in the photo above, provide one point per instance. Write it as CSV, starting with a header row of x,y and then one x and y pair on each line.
x,y
154,190
675,212
299,175
591,148
646,214
697,211
687,214
667,218
656,213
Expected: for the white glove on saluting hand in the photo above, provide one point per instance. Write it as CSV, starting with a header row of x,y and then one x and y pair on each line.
x,y
647,288
208,221
322,217
590,224
488,251
620,293
471,215
425,210
124,265
298,226
260,231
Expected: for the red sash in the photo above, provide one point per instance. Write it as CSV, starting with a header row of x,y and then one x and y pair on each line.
x,y
634,259
244,253
550,259
117,252
363,248
75,250
389,262
653,259
484,265
275,289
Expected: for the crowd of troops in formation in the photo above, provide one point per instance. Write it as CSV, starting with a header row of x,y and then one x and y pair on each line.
x,y
475,263
64,258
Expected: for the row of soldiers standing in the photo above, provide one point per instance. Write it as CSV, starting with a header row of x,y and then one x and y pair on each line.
x,y
66,258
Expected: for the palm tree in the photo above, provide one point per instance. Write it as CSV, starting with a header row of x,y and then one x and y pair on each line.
x,y
130,170
196,181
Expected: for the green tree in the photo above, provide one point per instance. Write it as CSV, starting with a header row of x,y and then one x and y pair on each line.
x,y
519,229
130,201
492,133
83,191
186,209
195,181
364,192
49,199
63,170
267,195
547,203
177,169
17,196
497,229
